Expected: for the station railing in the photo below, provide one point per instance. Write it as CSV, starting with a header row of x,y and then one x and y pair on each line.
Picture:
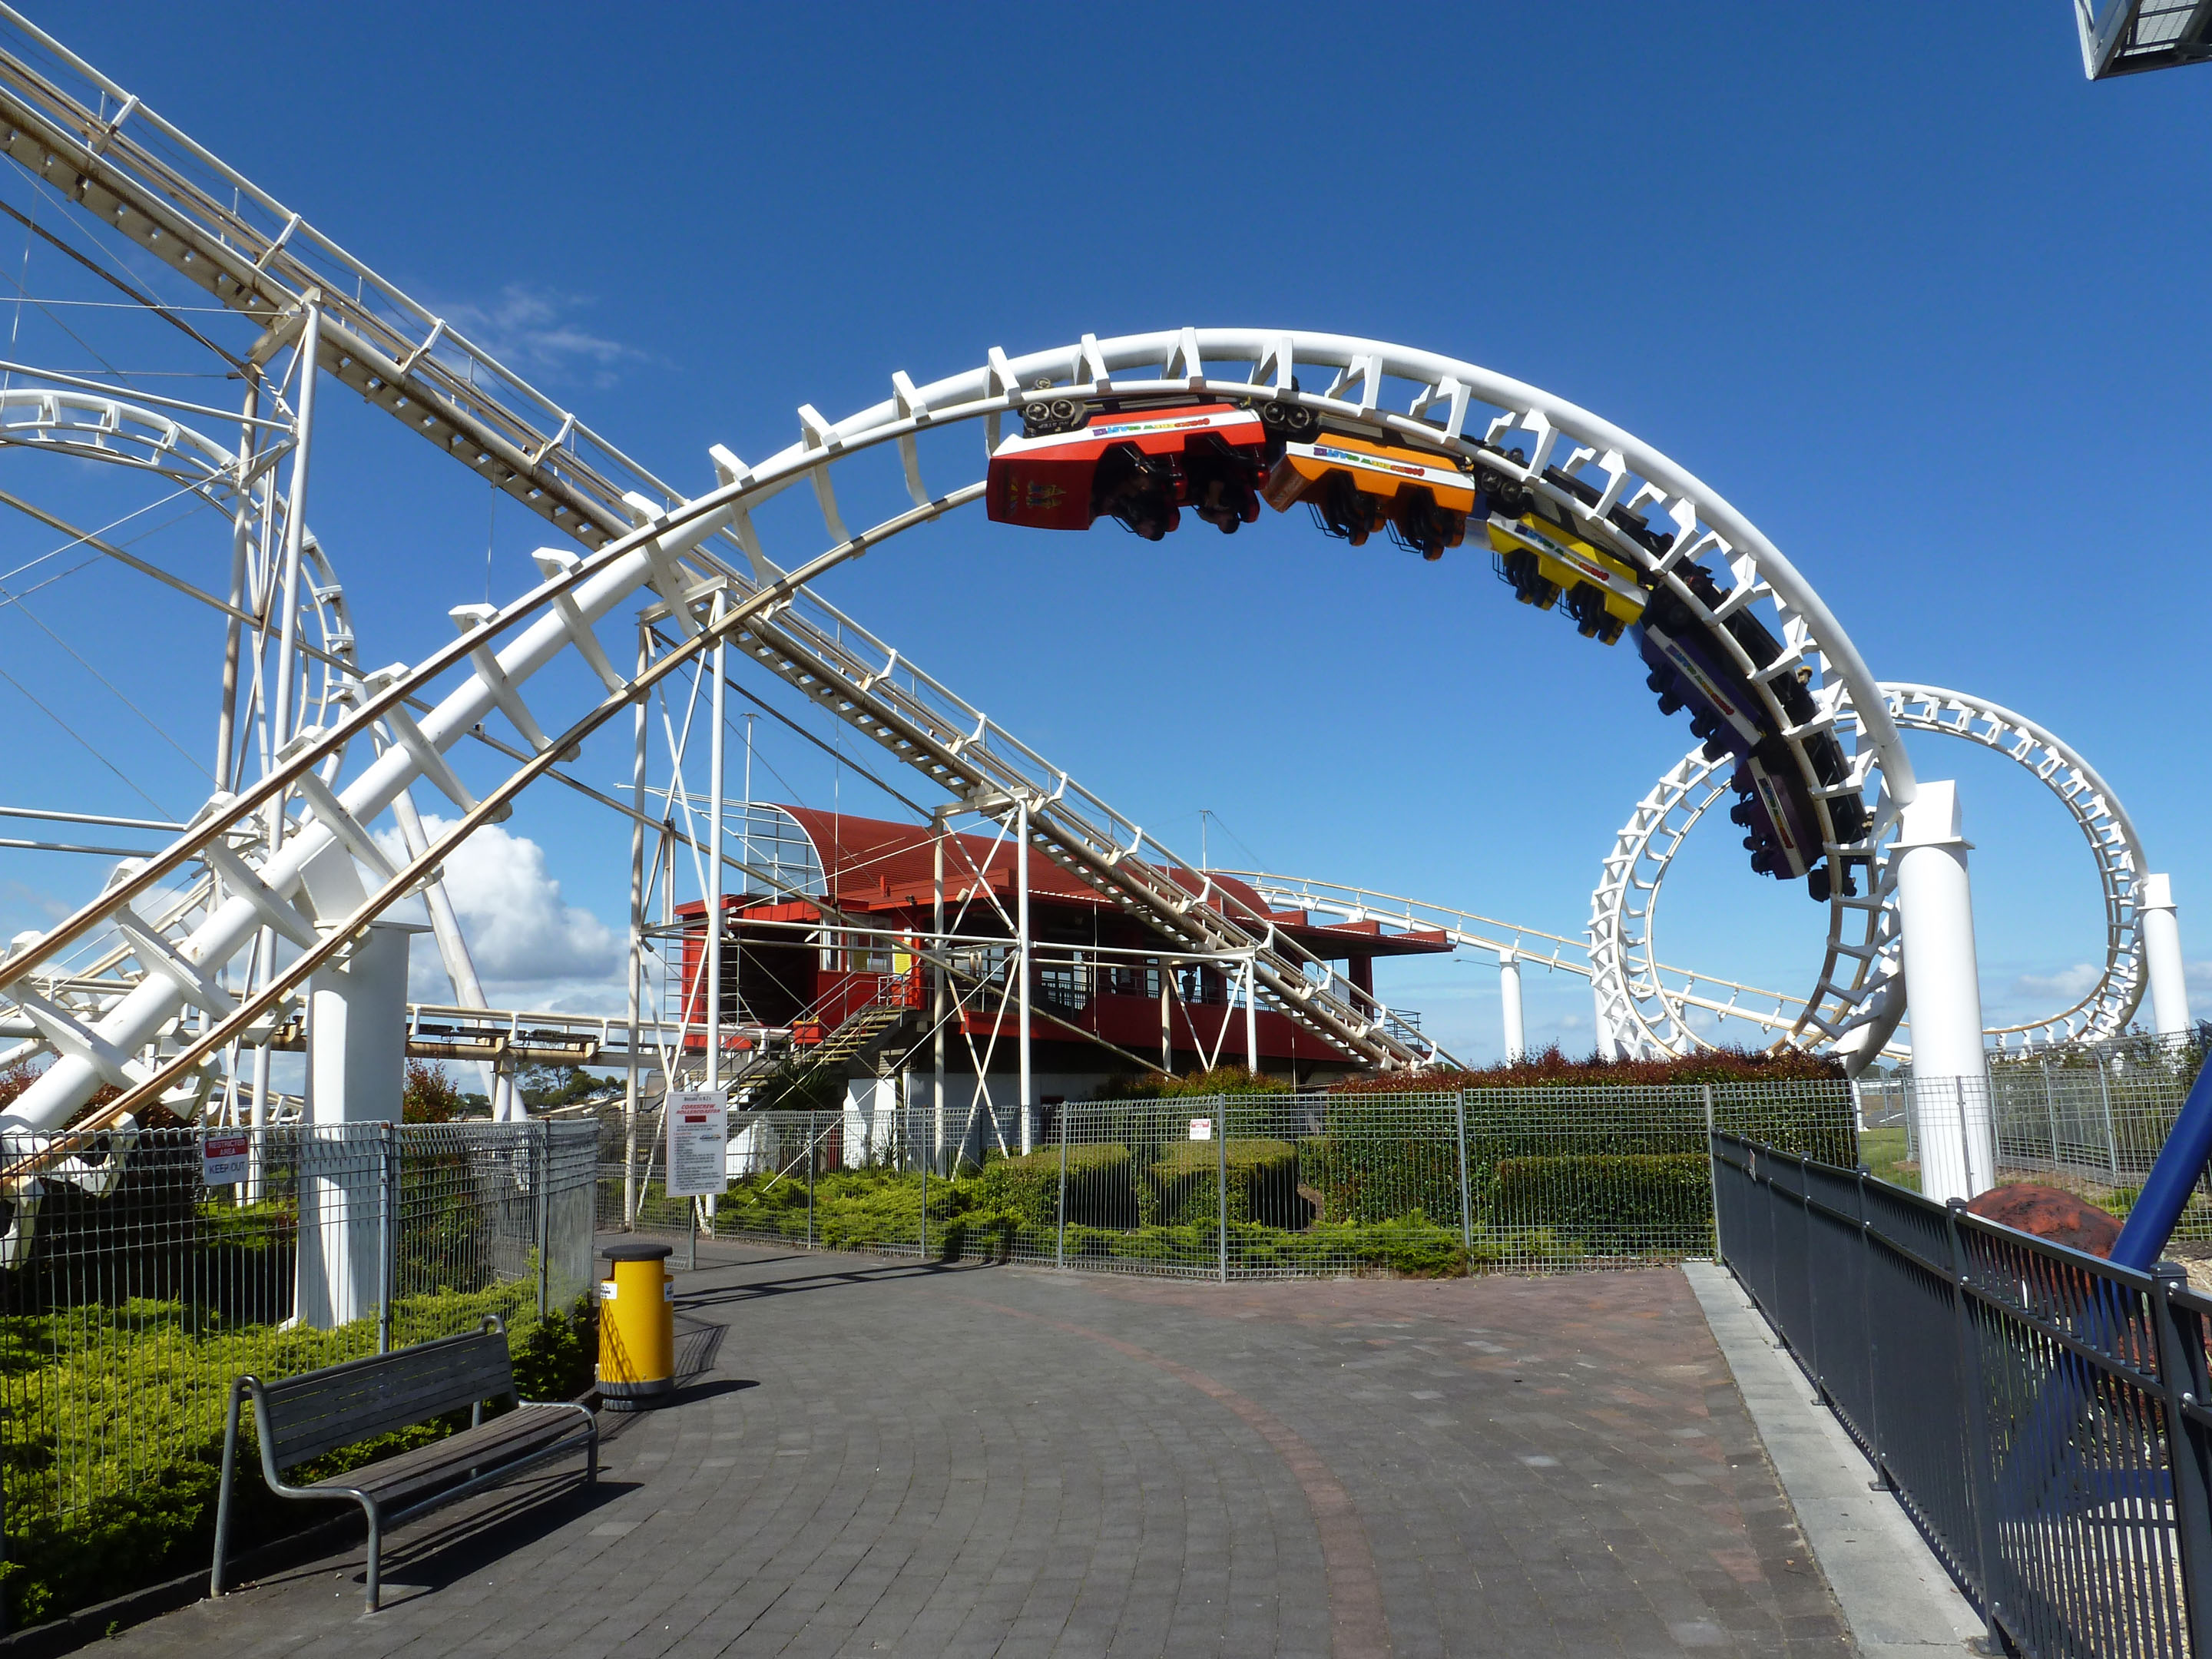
x,y
2040,1413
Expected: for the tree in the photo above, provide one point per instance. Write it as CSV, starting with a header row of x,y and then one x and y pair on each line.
x,y
556,1085
430,1096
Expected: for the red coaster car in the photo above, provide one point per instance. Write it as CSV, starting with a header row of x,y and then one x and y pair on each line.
x,y
1139,466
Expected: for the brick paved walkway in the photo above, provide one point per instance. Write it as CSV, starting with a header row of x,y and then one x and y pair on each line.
x,y
888,1458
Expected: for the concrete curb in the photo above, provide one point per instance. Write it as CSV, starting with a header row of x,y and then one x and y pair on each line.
x,y
1896,1597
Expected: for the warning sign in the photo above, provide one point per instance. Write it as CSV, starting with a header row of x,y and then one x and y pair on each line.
x,y
223,1159
698,1132
1201,1129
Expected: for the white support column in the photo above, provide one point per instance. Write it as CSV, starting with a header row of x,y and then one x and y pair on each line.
x,y
295,535
241,538
2161,937
357,1048
251,1190
1509,999
636,957
1252,1015
1022,953
715,757
1943,992
1167,1024
940,1003
717,777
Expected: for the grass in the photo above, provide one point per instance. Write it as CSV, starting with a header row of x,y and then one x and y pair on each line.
x,y
1887,1157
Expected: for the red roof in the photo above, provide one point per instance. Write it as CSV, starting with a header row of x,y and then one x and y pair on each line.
x,y
873,863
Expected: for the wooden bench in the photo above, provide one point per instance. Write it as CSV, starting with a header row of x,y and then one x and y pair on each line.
x,y
300,1417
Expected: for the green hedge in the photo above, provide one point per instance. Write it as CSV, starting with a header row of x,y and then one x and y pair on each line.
x,y
1101,1186
1263,1182
1381,1159
1614,1205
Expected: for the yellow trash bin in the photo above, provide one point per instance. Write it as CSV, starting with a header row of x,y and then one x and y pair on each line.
x,y
637,1327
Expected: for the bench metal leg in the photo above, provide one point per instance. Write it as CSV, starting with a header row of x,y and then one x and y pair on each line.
x,y
222,1497
375,1552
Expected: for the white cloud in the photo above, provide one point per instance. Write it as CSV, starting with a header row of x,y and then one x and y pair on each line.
x,y
530,945
529,328
2198,975
2066,985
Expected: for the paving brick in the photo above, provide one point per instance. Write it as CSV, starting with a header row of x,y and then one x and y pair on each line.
x,y
1005,1460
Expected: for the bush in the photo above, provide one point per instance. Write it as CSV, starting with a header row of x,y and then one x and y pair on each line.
x,y
166,1369
1380,1157
1101,1186
1615,1205
1221,1080
1552,1069
1263,1182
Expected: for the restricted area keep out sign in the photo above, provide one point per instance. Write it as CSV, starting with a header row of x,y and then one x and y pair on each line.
x,y
223,1159
1201,1129
698,1133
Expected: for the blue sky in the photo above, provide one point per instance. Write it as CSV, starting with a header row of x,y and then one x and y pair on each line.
x,y
1926,306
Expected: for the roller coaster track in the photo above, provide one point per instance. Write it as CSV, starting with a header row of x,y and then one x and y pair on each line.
x,y
1640,1003
1772,1011
704,560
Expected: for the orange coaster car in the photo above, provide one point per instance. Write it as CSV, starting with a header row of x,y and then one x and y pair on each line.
x,y
1356,487
1140,466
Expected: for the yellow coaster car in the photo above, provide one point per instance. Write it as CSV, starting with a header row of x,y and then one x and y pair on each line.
x,y
1356,486
1542,557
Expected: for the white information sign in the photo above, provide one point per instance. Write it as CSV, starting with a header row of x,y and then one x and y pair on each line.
x,y
1201,1129
223,1159
698,1130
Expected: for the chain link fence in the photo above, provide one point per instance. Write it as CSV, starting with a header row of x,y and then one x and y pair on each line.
x,y
140,1274
2090,1120
1242,1186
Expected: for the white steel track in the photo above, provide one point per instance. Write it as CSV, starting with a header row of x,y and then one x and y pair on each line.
x,y
1770,1010
1652,1014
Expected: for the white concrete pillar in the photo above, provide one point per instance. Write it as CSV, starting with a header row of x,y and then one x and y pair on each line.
x,y
356,1071
871,1113
1943,991
2161,936
1509,999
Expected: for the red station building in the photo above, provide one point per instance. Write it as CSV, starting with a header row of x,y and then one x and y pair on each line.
x,y
1095,988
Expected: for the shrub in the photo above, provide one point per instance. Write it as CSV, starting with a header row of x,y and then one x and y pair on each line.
x,y
1615,1204
1221,1080
166,1369
1263,1182
1101,1186
1380,1157
1553,1069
